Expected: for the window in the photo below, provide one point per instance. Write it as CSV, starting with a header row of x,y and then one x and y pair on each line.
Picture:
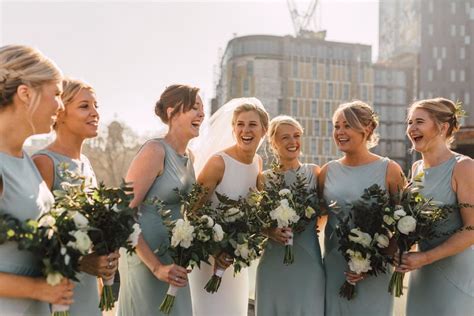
x,y
453,7
315,70
295,68
345,92
317,90
314,147
430,74
316,128
462,30
330,91
453,30
328,71
439,64
298,88
249,68
453,75
246,87
327,109
430,29
365,93
435,52
462,75
467,98
443,52
329,128
462,53
326,146
294,107
430,6
467,40
314,108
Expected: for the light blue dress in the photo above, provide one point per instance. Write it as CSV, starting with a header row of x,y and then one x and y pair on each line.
x,y
141,293
25,196
346,184
298,288
445,287
86,293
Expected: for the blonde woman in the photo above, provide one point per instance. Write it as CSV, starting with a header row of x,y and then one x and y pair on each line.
x,y
30,96
296,289
442,278
77,122
233,171
344,181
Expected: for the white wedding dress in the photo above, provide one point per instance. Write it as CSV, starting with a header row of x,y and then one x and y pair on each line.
x,y
232,297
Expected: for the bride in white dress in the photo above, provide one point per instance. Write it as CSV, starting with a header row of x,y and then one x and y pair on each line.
x,y
227,163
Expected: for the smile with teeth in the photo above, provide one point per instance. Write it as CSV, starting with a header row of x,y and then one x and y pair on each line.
x,y
93,123
292,149
416,138
247,139
343,140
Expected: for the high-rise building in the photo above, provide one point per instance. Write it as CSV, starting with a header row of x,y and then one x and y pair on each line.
x,y
305,77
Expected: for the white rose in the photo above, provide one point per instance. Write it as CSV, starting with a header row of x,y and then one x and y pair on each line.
x,y
360,237
133,238
218,232
242,250
182,234
382,240
209,221
399,212
406,225
83,243
80,220
54,278
284,192
359,264
47,221
284,214
388,220
232,214
309,212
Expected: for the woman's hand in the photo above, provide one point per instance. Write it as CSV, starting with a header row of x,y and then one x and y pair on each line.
x,y
353,277
223,261
101,266
60,294
172,274
410,261
280,235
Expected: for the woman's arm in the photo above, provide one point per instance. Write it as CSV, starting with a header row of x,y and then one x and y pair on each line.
x,y
211,175
463,185
145,167
395,179
45,166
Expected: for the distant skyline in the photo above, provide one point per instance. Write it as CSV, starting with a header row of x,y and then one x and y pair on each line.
x,y
130,51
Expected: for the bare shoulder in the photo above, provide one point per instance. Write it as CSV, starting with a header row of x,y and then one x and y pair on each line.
x,y
212,173
316,170
464,169
45,166
394,169
260,162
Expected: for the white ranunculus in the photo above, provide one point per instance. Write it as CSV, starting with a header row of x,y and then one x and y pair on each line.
x,y
309,212
133,238
209,221
406,225
388,220
399,213
83,243
242,250
284,214
382,240
47,221
80,220
357,263
218,233
284,192
360,237
232,214
54,278
182,234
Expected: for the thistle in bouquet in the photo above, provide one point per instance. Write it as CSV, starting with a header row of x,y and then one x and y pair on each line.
x,y
113,220
241,221
293,206
193,238
364,236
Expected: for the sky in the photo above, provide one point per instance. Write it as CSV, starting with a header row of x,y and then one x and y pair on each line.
x,y
129,51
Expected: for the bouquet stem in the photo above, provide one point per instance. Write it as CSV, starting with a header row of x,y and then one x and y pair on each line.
x,y
107,299
347,290
60,310
213,284
289,255
168,302
395,287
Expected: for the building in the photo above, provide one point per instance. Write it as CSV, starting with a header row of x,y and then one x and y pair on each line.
x,y
305,77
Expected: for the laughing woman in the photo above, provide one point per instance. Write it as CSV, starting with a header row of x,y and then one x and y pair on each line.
x,y
160,166
442,280
344,181
296,289
30,96
76,123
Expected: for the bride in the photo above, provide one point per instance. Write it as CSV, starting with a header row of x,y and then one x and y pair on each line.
x,y
227,163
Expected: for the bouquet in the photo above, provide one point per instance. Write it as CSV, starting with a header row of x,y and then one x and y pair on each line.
x,y
192,238
113,222
288,206
241,221
413,219
364,235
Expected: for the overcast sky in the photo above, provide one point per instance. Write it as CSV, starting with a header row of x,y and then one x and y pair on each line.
x,y
130,51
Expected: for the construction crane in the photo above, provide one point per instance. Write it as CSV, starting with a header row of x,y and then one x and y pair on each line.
x,y
302,21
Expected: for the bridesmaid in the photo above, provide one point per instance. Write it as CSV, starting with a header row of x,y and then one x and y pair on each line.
x,y
30,96
160,166
296,289
344,181
232,171
442,278
76,123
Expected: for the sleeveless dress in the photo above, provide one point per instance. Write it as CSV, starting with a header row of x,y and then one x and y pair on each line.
x,y
233,295
141,293
296,289
444,287
346,184
86,292
25,196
